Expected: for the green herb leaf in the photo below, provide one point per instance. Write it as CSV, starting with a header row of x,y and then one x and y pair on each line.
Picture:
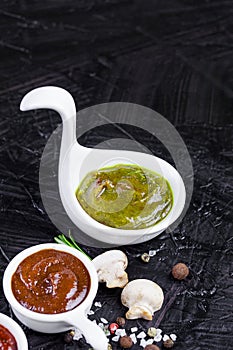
x,y
62,239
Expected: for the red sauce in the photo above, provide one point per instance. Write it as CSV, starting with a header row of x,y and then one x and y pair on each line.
x,y
7,340
51,282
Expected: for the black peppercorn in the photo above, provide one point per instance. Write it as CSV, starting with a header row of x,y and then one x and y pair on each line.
x,y
120,321
180,271
152,347
126,342
168,344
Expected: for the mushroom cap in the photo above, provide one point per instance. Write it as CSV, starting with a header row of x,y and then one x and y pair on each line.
x,y
110,267
143,297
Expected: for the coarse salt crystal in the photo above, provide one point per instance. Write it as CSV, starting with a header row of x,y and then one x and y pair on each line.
x,y
173,337
123,333
143,343
133,337
158,337
116,338
149,341
101,325
103,320
98,304
159,331
120,332
152,252
91,312
165,337
141,335
77,334
134,329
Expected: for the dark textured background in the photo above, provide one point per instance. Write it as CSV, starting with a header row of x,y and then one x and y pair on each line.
x,y
173,56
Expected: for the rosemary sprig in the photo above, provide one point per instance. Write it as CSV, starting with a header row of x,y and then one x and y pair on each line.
x,y
62,239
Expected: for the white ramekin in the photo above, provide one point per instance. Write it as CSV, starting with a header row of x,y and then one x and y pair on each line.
x,y
55,323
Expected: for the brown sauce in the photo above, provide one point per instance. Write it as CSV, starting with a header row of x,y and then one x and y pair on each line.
x,y
51,282
7,340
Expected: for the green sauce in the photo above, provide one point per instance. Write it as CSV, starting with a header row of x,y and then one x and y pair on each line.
x,y
125,196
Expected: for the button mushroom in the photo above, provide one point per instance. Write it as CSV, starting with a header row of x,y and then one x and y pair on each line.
x,y
143,297
110,267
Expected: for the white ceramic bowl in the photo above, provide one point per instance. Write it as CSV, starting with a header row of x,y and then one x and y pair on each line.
x,y
76,161
55,323
15,330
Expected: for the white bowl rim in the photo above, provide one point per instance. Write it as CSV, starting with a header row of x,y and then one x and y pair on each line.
x,y
12,266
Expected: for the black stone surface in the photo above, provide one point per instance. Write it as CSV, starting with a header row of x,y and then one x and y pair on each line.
x,y
173,56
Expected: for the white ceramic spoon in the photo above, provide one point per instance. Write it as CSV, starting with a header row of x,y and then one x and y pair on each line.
x,y
75,161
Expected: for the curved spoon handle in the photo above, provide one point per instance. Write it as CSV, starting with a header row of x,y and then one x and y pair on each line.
x,y
60,100
51,97
93,334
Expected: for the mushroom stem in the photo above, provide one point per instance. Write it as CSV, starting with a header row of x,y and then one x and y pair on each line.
x,y
143,297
